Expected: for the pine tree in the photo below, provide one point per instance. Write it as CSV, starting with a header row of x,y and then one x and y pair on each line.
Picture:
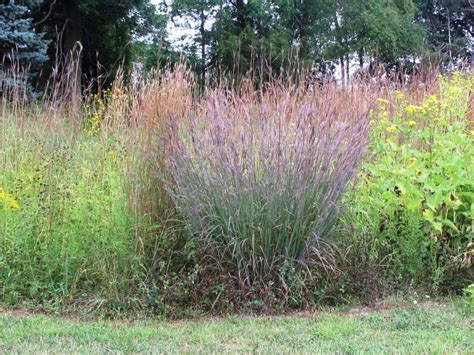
x,y
19,42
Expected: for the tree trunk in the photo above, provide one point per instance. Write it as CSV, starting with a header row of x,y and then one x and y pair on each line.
x,y
343,71
304,31
348,76
73,29
72,48
449,36
203,48
241,13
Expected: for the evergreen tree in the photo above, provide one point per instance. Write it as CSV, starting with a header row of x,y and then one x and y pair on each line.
x,y
19,42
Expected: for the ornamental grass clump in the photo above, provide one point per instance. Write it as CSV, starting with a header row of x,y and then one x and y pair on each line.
x,y
258,175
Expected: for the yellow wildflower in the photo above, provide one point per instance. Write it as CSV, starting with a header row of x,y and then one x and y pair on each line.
x,y
382,101
412,123
113,154
391,129
8,202
399,94
411,109
434,99
412,162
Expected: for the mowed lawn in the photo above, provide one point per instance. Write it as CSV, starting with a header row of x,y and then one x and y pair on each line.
x,y
428,328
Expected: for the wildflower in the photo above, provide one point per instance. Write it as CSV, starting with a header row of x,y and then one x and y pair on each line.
x,y
412,123
391,129
381,101
399,94
113,154
433,99
411,109
8,202
412,162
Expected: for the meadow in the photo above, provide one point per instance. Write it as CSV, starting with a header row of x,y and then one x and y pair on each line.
x,y
150,196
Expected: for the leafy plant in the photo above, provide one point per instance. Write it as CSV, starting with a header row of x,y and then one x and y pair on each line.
x,y
469,292
416,187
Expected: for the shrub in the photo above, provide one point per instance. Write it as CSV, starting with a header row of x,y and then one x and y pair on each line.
x,y
414,201
469,292
258,176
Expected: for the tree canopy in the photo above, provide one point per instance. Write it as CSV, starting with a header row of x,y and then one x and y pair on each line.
x,y
232,36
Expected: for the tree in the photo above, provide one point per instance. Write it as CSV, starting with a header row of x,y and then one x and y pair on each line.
x,y
383,30
198,12
250,34
450,23
19,42
309,22
106,30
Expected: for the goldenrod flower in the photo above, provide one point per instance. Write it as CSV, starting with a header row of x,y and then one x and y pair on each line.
x,y
434,99
8,202
412,161
381,103
411,109
113,154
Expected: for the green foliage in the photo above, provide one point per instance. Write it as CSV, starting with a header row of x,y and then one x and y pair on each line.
x,y
106,31
383,30
249,34
448,20
414,200
469,292
68,233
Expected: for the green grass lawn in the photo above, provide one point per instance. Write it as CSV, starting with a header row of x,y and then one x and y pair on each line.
x,y
428,328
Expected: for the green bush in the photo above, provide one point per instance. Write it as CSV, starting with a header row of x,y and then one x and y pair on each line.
x,y
469,292
413,207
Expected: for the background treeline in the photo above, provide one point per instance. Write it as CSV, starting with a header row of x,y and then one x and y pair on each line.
x,y
233,36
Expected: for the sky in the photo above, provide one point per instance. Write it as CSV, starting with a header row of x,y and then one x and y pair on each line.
x,y
178,34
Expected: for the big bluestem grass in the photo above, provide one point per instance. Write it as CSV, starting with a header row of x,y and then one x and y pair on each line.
x,y
259,174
